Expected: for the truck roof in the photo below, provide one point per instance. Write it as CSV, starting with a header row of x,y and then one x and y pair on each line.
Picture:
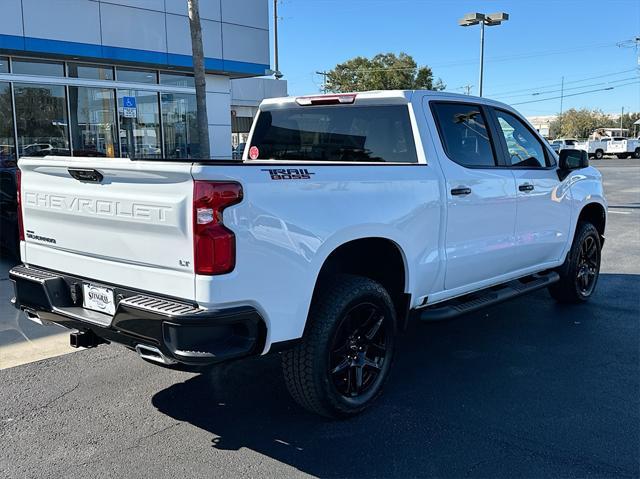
x,y
386,96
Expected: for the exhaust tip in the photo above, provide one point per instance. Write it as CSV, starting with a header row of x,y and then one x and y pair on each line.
x,y
151,353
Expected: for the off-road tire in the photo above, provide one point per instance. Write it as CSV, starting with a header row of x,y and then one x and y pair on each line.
x,y
568,289
306,367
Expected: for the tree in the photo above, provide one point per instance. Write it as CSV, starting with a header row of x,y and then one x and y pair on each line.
x,y
578,123
200,78
385,71
628,120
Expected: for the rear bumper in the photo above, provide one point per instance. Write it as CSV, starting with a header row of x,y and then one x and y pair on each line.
x,y
182,332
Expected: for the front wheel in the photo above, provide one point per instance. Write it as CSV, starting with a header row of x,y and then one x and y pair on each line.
x,y
580,271
345,356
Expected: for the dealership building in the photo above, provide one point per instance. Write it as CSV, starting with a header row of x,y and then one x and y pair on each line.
x,y
114,78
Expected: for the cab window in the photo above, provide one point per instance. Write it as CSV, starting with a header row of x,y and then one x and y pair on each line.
x,y
464,134
525,149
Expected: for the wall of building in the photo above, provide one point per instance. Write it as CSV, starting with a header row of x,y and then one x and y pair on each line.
x,y
152,32
246,95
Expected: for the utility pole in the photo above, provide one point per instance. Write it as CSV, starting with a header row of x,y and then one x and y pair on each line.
x,y
621,115
561,96
324,80
277,72
467,89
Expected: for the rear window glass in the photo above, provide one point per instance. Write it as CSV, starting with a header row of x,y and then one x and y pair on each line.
x,y
335,133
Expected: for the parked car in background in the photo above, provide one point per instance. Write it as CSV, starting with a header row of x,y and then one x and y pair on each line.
x,y
563,143
354,214
9,237
238,151
31,150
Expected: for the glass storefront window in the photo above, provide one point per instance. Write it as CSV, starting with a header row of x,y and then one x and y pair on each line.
x,y
41,116
177,79
93,121
133,75
4,65
91,72
179,124
22,66
140,128
7,140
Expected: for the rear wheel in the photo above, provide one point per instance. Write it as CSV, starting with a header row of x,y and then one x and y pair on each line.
x,y
599,154
580,271
636,154
345,356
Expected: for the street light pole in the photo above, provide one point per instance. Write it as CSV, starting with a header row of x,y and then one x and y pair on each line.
x,y
482,19
481,58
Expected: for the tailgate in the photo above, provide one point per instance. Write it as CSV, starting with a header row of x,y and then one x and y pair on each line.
x,y
133,228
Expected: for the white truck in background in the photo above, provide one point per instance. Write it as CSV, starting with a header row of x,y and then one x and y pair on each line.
x,y
624,147
617,145
348,215
595,148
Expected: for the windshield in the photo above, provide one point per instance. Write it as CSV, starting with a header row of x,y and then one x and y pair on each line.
x,y
335,133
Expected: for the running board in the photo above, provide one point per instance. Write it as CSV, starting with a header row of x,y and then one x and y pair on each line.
x,y
487,297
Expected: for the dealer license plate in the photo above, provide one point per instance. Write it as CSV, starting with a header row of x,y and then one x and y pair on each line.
x,y
97,298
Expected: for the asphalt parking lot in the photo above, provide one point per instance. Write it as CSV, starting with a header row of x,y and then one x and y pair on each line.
x,y
524,389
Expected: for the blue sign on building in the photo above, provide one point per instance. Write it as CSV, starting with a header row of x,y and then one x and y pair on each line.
x,y
129,107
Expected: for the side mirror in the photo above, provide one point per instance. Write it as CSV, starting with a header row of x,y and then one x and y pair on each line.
x,y
573,160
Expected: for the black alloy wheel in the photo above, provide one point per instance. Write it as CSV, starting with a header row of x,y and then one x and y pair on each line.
x,y
588,266
340,366
581,268
359,351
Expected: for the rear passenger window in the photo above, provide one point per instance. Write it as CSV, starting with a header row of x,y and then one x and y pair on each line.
x,y
464,134
525,150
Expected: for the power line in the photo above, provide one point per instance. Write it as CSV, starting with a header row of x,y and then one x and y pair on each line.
x,y
608,74
577,94
569,89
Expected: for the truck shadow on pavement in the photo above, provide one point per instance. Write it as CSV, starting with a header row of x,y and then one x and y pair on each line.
x,y
527,388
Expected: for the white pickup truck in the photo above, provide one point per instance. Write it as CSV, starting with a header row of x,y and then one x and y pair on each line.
x,y
624,147
347,216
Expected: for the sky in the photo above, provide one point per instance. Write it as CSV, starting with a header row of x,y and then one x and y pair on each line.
x,y
525,57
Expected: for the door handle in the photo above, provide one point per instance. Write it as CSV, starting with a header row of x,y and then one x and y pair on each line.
x,y
526,187
461,191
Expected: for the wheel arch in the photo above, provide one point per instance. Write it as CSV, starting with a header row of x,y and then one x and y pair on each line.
x,y
377,258
595,214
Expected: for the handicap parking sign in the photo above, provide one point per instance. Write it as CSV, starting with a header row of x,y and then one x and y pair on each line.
x,y
130,108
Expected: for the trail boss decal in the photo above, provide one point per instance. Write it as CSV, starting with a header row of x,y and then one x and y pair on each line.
x,y
290,174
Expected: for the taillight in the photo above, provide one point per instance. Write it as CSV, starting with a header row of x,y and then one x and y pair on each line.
x,y
19,203
214,246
